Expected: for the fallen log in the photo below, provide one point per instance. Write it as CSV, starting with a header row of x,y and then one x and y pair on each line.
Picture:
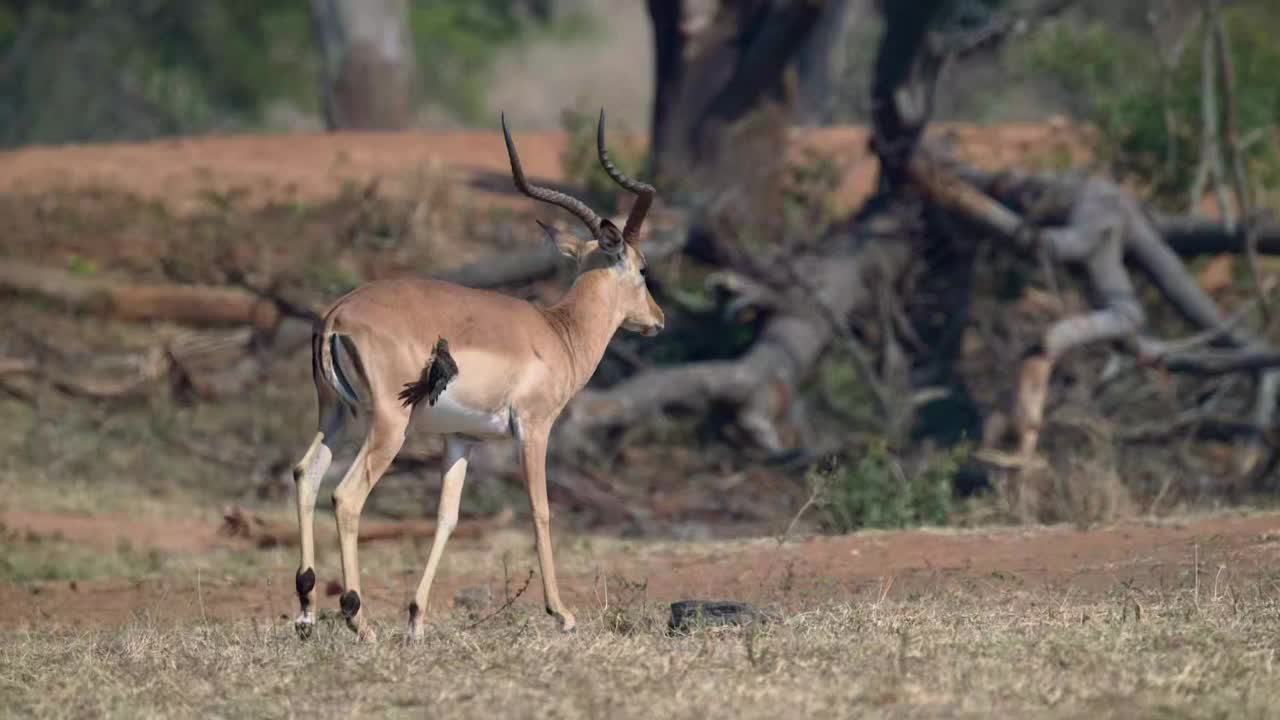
x,y
131,375
1093,224
1189,235
198,305
240,523
209,364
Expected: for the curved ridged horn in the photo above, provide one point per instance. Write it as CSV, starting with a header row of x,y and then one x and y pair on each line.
x,y
644,191
573,205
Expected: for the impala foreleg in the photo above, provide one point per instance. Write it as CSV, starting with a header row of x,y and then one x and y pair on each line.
x,y
533,456
456,453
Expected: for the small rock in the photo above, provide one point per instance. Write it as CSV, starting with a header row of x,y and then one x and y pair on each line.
x,y
687,614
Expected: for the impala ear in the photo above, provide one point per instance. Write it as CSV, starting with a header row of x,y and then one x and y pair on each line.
x,y
610,238
566,243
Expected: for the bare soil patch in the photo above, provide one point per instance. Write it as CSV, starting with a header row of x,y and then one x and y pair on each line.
x,y
180,173
1210,553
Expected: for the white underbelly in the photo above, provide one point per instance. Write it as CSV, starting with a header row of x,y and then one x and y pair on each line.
x,y
449,417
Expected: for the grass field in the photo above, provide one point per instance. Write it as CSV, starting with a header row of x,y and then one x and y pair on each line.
x,y
1164,620
1014,654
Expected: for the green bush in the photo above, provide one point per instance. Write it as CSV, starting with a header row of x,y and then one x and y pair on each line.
x,y
879,491
1117,82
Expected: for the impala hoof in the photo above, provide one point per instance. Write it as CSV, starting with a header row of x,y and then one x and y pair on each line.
x,y
305,626
567,624
350,604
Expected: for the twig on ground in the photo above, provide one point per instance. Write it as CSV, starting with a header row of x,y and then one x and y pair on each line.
x,y
505,606
818,485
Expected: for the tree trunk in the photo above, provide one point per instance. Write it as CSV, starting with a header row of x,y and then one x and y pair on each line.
x,y
722,110
818,292
822,60
668,72
712,72
367,63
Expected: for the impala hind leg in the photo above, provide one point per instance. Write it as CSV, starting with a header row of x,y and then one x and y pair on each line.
x,y
386,435
456,454
307,476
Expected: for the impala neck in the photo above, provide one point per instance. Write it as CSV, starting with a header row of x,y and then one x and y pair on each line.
x,y
586,319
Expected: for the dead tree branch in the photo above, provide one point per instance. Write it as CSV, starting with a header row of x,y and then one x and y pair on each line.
x,y
240,523
1189,235
1210,167
788,347
1000,28
1235,154
1099,225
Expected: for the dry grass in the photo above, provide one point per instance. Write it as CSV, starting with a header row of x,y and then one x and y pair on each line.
x,y
949,655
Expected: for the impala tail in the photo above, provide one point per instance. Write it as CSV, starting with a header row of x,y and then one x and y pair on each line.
x,y
326,346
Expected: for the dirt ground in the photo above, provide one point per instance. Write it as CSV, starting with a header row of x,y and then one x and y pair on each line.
x,y
181,172
1208,552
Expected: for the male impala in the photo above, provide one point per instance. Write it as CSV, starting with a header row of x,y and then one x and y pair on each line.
x,y
467,364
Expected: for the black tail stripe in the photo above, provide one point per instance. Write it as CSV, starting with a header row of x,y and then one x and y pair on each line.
x,y
346,390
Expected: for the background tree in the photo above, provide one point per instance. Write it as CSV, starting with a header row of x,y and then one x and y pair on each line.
x,y
368,68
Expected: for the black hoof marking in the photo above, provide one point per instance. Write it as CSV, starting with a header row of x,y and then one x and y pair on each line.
x,y
305,582
413,611
350,604
305,630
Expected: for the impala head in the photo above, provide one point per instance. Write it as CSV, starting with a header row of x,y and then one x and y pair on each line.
x,y
609,249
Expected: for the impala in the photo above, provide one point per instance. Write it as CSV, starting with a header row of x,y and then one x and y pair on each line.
x,y
469,365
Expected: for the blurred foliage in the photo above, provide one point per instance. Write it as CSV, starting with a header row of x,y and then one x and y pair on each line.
x,y
96,69
879,491
837,384
1117,84
93,70
809,204
457,41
